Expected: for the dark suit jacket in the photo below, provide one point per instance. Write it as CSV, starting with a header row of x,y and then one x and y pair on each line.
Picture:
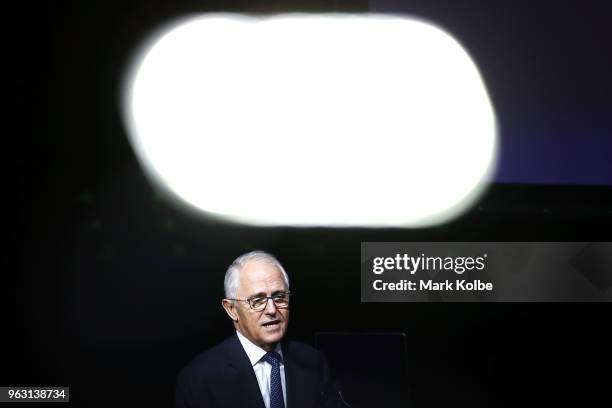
x,y
223,377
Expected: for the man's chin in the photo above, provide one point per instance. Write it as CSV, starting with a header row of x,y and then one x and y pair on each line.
x,y
274,337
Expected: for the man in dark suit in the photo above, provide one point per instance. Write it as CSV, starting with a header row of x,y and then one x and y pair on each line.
x,y
254,367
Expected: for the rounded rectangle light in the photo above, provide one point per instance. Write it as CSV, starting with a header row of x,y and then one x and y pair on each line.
x,y
312,120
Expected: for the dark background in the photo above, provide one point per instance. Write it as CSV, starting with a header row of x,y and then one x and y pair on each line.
x,y
111,289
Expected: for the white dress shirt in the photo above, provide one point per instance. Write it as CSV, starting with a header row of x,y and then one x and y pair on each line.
x,y
262,369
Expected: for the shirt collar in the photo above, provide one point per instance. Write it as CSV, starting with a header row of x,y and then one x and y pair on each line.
x,y
254,352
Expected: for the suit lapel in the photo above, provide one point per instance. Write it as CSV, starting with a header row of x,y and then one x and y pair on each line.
x,y
245,376
296,379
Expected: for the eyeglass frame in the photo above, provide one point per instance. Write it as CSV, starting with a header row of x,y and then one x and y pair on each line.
x,y
268,298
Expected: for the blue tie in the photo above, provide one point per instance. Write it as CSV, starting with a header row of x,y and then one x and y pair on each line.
x,y
276,388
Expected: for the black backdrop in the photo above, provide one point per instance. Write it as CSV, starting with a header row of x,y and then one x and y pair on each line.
x,y
111,289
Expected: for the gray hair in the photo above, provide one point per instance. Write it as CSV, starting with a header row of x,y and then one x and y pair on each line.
x,y
231,281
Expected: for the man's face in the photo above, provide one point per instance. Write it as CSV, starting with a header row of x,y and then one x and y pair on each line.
x,y
266,327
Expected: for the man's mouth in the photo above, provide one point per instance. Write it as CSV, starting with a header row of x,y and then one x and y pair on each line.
x,y
272,323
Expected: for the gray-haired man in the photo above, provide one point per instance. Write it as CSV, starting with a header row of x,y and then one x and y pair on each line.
x,y
254,367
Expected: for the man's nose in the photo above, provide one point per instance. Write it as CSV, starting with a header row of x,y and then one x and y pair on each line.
x,y
270,307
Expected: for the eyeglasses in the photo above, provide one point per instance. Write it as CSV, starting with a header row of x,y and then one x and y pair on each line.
x,y
259,303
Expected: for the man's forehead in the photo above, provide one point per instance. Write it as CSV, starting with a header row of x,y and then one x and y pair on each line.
x,y
257,274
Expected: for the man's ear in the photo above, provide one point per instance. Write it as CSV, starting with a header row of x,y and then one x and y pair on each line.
x,y
230,309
